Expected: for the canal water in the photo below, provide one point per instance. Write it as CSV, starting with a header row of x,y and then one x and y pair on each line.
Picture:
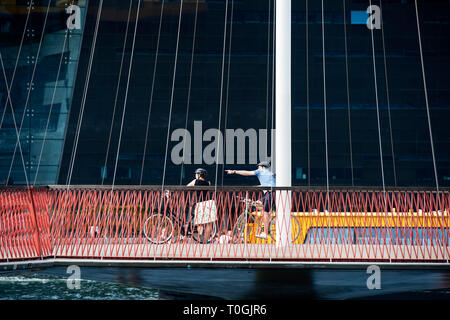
x,y
184,283
32,285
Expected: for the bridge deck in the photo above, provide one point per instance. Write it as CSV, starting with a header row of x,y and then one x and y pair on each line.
x,y
335,226
263,252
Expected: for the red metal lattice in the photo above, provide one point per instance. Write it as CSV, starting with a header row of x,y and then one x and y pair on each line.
x,y
150,223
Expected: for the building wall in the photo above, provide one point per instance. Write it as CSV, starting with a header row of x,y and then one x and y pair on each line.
x,y
364,109
39,61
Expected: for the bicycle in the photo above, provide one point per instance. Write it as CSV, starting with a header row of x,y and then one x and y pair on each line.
x,y
253,215
161,228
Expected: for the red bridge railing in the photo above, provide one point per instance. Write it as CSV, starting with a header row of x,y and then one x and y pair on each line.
x,y
223,224
24,224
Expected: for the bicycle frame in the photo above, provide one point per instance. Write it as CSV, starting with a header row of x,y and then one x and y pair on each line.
x,y
253,217
174,214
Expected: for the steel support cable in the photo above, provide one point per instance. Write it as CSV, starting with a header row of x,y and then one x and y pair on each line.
x,y
28,94
29,89
268,64
51,103
378,108
15,123
269,30
228,81
378,117
151,93
83,101
426,100
126,95
348,94
218,151
171,95
48,120
117,93
273,99
8,88
272,156
189,90
429,126
387,97
307,92
325,104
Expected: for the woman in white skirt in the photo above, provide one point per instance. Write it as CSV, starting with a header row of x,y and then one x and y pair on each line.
x,y
205,210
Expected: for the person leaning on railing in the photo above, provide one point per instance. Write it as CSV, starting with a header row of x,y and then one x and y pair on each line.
x,y
266,179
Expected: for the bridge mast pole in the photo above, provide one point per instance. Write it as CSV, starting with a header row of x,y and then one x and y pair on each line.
x,y
283,119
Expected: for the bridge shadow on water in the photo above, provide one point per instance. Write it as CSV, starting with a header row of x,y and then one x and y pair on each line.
x,y
272,284
200,283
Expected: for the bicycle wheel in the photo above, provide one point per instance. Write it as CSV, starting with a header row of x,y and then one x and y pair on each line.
x,y
295,228
252,224
158,229
239,229
196,236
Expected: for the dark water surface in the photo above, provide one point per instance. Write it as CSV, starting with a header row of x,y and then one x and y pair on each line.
x,y
34,285
113,283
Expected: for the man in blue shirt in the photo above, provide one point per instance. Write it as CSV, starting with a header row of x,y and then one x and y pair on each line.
x,y
266,179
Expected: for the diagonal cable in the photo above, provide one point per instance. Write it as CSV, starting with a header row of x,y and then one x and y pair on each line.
x,y
151,94
307,92
15,124
126,94
189,89
228,81
117,93
171,95
387,97
426,100
17,62
378,108
51,103
325,103
348,95
83,101
29,87
218,151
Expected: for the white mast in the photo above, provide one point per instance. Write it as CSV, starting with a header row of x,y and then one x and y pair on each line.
x,y
283,119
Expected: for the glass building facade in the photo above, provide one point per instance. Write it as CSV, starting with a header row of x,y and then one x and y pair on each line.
x,y
39,60
136,71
